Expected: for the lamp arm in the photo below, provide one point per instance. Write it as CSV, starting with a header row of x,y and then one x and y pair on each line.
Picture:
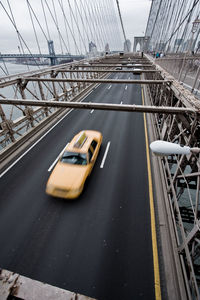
x,y
195,150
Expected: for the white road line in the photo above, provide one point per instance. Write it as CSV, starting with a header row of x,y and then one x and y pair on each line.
x,y
109,87
121,102
126,87
86,96
105,155
91,111
129,77
57,158
19,158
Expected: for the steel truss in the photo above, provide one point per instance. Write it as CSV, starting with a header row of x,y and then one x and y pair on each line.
x,y
60,84
17,120
182,174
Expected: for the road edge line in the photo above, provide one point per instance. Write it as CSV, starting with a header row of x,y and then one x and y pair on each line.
x,y
152,213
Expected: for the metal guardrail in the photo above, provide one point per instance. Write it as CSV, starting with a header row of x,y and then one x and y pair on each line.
x,y
182,174
22,119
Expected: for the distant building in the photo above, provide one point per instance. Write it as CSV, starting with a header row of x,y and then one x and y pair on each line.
x,y
107,49
92,48
127,46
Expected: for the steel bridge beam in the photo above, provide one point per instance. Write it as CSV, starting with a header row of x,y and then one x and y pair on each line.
x,y
102,106
120,81
115,65
106,71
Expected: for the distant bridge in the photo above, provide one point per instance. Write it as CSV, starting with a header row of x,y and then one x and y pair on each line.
x,y
38,55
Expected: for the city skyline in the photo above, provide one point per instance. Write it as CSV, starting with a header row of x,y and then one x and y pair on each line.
x,y
10,43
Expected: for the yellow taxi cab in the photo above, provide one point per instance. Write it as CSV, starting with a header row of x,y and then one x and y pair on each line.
x,y
75,165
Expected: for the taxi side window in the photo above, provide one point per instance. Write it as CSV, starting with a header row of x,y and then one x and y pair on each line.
x,y
94,144
90,154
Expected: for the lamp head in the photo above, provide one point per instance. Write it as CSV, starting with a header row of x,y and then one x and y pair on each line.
x,y
163,148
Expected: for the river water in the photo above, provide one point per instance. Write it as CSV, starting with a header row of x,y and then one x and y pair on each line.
x,y
9,92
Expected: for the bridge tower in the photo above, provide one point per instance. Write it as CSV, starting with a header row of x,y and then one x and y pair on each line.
x,y
52,53
139,40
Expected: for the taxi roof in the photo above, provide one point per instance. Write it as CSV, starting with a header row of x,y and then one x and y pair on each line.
x,y
85,137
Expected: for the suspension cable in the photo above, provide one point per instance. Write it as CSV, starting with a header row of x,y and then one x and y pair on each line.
x,y
124,34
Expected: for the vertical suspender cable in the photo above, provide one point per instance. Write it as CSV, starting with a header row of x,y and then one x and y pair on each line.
x,y
77,27
56,20
97,27
87,22
83,24
100,13
64,16
72,24
45,20
124,34
33,27
73,37
118,32
114,28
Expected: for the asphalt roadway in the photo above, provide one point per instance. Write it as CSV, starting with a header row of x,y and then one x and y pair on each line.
x,y
100,244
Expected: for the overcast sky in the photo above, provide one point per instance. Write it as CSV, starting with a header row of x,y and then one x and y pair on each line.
x,y
134,14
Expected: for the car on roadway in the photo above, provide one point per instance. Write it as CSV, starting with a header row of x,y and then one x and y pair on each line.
x,y
118,68
74,165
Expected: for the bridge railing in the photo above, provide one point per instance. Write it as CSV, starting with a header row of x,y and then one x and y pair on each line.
x,y
181,172
184,68
16,121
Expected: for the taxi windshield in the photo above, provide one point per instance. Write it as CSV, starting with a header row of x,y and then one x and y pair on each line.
x,y
74,158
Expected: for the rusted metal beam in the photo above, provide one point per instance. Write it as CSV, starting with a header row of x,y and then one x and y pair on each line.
x,y
108,71
122,64
121,81
102,106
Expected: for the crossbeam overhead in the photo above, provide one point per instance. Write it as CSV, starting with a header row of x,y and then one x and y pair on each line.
x,y
115,65
107,71
102,106
121,81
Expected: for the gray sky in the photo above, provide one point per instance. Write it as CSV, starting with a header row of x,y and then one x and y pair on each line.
x,y
134,14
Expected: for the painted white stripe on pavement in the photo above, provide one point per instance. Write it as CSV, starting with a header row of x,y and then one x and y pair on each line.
x,y
109,87
19,158
57,158
105,155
